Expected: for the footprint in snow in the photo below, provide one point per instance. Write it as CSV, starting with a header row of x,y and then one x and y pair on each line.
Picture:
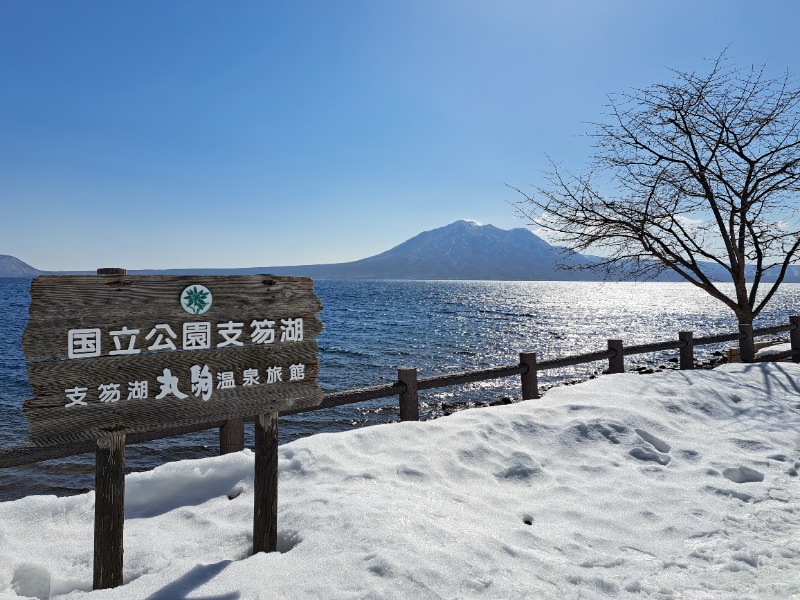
x,y
647,455
731,493
655,442
743,475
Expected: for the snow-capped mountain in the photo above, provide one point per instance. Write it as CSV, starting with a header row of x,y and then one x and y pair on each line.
x,y
461,250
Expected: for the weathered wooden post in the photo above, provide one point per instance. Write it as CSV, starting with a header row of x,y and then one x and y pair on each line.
x,y
109,499
265,513
794,337
409,399
530,378
109,510
746,348
687,351
616,363
231,436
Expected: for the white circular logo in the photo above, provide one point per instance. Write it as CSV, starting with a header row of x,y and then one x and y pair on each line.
x,y
196,299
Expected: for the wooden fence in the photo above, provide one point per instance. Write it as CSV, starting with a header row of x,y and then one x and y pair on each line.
x,y
408,386
109,450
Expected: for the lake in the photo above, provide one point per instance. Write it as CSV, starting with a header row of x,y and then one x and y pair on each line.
x,y
372,327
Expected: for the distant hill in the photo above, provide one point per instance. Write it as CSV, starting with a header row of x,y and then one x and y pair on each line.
x,y
461,250
14,267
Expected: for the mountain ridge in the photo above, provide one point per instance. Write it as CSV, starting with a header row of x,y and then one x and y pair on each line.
x,y
462,250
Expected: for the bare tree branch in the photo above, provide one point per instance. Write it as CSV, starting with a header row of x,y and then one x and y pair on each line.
x,y
704,178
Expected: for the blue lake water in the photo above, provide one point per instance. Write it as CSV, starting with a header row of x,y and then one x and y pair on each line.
x,y
372,327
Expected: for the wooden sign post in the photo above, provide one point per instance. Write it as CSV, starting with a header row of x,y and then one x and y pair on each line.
x,y
114,354
265,513
109,510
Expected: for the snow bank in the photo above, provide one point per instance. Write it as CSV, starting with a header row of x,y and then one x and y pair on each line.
x,y
681,484
774,349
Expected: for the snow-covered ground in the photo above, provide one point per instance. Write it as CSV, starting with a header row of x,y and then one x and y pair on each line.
x,y
681,484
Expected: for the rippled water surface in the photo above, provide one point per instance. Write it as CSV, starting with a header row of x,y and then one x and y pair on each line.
x,y
372,327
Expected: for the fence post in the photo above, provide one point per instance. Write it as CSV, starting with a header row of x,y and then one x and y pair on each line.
x,y
616,364
746,350
109,510
794,337
265,484
530,379
687,351
231,436
409,400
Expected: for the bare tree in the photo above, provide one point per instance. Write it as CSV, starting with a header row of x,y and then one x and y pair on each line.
x,y
704,174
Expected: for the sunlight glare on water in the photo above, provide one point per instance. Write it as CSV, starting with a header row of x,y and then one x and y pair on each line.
x,y
373,327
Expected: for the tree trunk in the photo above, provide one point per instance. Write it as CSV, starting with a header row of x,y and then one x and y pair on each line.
x,y
745,315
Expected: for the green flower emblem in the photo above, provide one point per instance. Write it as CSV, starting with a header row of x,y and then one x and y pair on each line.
x,y
196,299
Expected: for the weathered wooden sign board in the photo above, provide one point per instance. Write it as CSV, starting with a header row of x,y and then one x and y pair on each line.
x,y
142,353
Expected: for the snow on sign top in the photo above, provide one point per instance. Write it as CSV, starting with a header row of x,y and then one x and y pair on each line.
x,y
148,352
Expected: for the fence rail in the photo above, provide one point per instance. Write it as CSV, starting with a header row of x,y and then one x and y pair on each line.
x,y
577,359
407,387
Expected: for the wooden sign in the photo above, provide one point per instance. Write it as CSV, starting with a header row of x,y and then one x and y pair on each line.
x,y
141,353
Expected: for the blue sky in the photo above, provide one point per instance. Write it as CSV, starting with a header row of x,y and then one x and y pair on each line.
x,y
231,134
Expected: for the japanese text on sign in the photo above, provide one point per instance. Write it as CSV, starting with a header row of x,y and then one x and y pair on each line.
x,y
201,383
88,342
